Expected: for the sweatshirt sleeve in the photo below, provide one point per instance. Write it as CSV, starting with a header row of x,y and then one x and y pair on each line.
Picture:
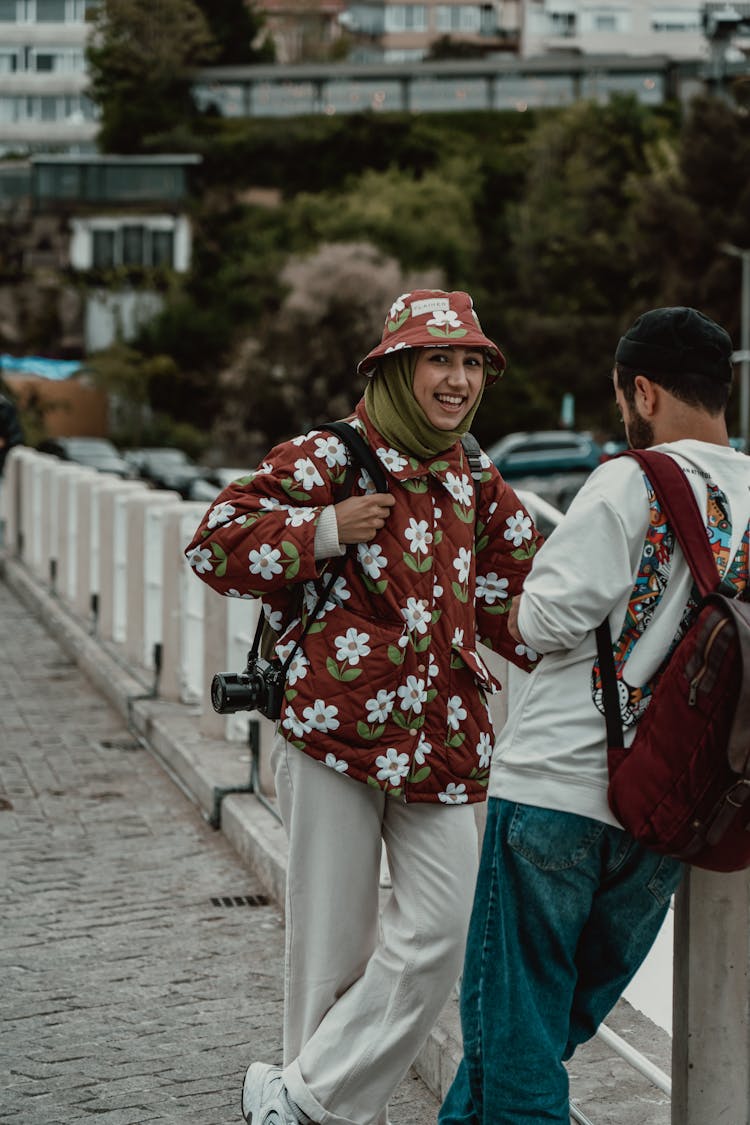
x,y
506,544
588,564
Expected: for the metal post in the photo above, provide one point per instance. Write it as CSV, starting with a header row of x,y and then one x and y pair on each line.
x,y
744,353
711,1030
745,348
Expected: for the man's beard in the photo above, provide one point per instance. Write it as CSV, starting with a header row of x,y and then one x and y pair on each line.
x,y
639,432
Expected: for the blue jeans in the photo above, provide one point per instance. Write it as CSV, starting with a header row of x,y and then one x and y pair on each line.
x,y
566,909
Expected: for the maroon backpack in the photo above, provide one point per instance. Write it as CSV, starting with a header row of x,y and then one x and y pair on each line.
x,y
682,787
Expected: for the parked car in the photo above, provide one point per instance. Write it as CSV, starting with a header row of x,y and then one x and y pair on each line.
x,y
164,467
543,452
208,486
95,453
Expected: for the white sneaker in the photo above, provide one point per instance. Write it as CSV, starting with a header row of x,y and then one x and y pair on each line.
x,y
264,1097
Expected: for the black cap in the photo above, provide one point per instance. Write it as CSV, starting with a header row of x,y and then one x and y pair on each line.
x,y
677,340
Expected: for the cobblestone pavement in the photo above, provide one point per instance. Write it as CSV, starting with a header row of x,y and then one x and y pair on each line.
x,y
129,996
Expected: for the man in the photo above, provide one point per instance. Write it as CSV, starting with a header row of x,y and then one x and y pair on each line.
x,y
567,904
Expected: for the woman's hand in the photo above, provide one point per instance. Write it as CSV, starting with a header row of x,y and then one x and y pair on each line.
x,y
359,518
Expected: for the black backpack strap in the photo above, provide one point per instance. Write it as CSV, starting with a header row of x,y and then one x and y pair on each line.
x,y
473,451
361,452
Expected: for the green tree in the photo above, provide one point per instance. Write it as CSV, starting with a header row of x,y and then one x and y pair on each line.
x,y
572,255
238,30
141,57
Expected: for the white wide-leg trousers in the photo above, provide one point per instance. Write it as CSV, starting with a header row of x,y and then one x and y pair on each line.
x,y
360,998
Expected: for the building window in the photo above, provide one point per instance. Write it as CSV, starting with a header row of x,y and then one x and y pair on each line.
x,y
562,23
8,11
135,245
44,62
607,22
50,11
8,62
405,17
103,252
459,17
676,19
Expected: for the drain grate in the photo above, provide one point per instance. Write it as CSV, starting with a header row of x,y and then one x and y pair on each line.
x,y
240,900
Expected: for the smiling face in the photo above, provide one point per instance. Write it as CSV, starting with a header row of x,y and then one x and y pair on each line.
x,y
447,383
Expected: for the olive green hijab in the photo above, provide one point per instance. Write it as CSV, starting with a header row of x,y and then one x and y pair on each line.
x,y
396,414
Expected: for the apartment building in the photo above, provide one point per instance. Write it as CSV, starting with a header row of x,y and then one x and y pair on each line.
x,y
613,27
43,104
404,31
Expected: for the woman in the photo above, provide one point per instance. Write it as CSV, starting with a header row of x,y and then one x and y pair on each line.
x,y
385,734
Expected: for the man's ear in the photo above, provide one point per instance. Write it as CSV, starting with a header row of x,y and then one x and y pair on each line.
x,y
646,395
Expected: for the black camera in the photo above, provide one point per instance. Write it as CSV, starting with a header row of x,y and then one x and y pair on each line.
x,y
259,688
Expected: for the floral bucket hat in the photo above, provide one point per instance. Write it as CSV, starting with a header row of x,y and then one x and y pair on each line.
x,y
431,317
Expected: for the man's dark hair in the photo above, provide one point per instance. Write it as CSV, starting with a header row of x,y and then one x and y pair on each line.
x,y
703,391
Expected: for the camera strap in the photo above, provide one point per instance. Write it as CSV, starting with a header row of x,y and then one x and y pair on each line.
x,y
362,455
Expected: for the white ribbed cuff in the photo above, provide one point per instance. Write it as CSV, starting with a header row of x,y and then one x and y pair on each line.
x,y
327,535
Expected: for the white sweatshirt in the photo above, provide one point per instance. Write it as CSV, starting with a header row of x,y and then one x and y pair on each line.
x,y
552,750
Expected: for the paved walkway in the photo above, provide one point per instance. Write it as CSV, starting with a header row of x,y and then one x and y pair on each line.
x,y
129,996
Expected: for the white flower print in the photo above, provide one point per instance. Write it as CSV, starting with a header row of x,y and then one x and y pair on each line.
x,y
445,318
265,561
396,347
413,694
418,536
398,306
351,646
306,473
332,449
492,508
529,653
416,614
371,559
266,467
392,459
379,708
339,594
519,528
295,725
274,618
393,766
456,712
337,764
460,488
321,716
200,559
298,516
298,667
423,749
457,640
220,513
433,671
462,564
366,483
484,751
236,594
453,794
269,503
438,512
437,590
491,587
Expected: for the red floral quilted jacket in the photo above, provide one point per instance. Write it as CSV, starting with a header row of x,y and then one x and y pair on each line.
x,y
388,687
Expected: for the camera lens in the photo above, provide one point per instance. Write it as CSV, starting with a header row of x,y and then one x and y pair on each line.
x,y
218,694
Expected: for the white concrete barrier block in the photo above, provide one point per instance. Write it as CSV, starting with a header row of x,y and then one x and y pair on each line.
x,y
143,573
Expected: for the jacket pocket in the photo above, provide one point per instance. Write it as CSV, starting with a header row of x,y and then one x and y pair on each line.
x,y
349,679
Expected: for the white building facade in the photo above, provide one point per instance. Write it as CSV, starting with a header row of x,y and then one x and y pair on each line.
x,y
612,27
43,102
